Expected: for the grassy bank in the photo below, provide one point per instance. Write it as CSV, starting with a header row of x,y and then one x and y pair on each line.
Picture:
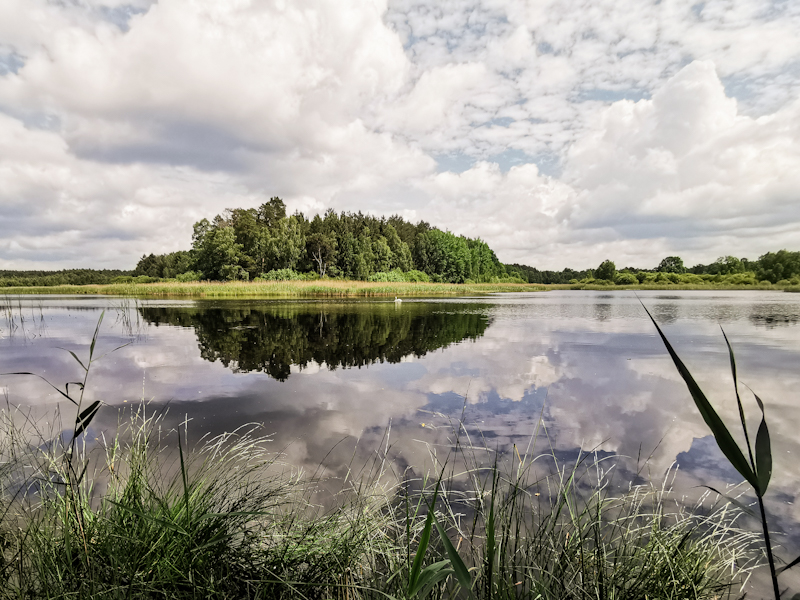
x,y
334,288
331,288
137,519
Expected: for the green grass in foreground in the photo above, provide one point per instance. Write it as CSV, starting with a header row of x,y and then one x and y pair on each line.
x,y
223,522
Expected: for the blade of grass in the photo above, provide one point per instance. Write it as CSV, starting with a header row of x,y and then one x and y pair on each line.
x,y
739,401
763,451
718,429
786,567
459,568
65,394
83,420
419,557
734,501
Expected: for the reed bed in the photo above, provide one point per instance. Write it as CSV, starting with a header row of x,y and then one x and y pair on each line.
x,y
332,288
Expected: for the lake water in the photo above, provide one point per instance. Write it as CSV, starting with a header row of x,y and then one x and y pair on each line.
x,y
330,379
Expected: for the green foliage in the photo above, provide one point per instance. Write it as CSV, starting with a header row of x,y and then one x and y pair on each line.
x,y
671,264
607,270
165,266
286,275
415,276
726,265
452,259
774,266
626,279
532,275
216,252
65,277
190,276
395,275
349,245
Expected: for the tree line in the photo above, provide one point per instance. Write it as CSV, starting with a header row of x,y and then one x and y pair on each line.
x,y
782,267
250,243
266,243
10,278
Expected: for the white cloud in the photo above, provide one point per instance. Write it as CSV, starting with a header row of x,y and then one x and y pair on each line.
x,y
120,117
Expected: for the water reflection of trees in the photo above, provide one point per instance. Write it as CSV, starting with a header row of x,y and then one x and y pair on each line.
x,y
273,337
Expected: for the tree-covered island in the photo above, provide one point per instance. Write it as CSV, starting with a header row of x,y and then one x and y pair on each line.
x,y
246,244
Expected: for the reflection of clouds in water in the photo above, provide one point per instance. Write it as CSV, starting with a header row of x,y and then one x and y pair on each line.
x,y
611,384
607,379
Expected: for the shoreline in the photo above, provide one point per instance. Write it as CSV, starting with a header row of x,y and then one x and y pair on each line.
x,y
347,289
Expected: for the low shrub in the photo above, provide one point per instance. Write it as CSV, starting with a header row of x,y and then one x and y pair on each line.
x,y
189,276
415,276
286,275
626,279
388,276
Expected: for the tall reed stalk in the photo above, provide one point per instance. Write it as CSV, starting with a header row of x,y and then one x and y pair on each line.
x,y
756,469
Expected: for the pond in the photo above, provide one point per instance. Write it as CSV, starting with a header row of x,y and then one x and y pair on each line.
x,y
333,380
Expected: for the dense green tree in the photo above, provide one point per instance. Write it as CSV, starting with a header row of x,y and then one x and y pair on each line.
x,y
249,236
671,264
272,212
775,266
607,270
164,266
443,256
726,265
216,253
401,253
321,245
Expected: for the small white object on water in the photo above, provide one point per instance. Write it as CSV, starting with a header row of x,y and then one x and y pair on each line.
x,y
396,299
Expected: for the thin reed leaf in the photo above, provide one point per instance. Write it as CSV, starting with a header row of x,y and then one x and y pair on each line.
x,y
763,451
65,394
739,400
94,337
75,356
459,568
740,505
422,547
788,566
85,418
718,429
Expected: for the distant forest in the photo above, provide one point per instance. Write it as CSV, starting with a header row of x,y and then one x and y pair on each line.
x,y
266,244
782,267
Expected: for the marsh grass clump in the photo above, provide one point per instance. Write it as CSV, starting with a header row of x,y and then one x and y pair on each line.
x,y
212,523
225,520
319,288
565,531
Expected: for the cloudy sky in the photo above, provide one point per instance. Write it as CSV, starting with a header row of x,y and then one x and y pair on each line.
x,y
562,132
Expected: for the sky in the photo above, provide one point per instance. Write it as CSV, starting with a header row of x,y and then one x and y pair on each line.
x,y
561,132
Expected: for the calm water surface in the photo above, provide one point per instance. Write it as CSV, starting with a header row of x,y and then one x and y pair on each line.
x,y
323,375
